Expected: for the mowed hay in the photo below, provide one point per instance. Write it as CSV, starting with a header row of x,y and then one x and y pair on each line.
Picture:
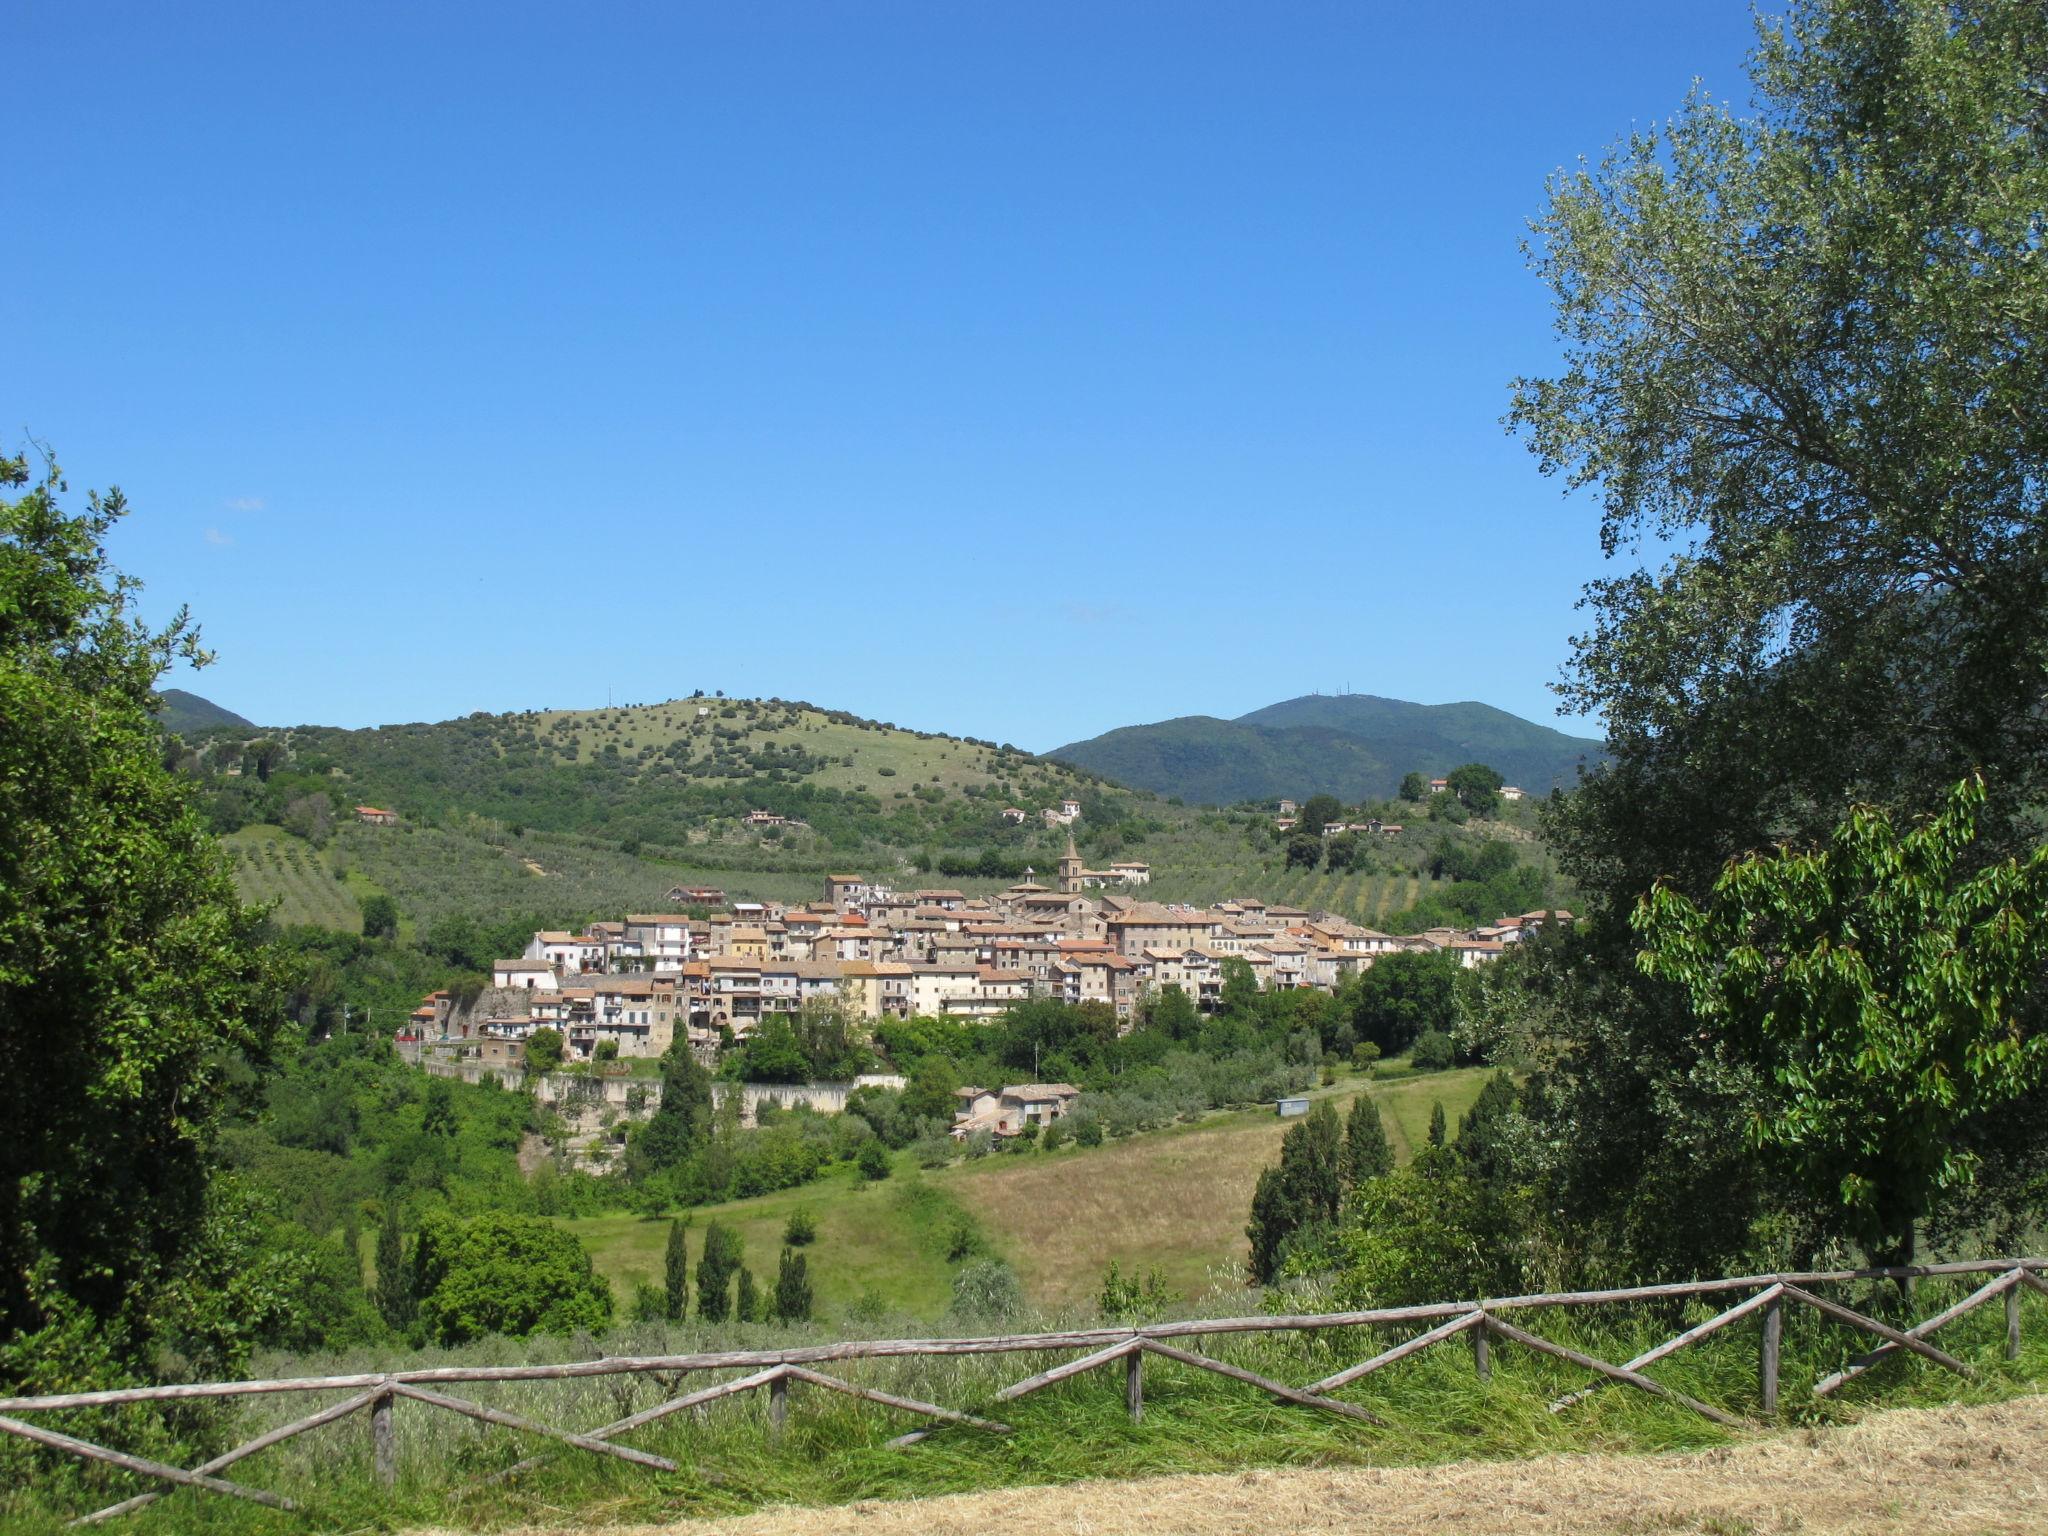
x,y
1176,1201
1932,1472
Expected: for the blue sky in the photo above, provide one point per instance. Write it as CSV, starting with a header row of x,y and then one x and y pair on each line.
x,y
1015,370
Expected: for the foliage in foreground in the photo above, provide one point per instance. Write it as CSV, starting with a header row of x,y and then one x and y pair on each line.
x,y
136,1000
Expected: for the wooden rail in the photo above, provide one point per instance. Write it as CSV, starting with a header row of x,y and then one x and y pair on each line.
x,y
377,1393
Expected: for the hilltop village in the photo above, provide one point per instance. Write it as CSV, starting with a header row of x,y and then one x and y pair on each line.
x,y
628,988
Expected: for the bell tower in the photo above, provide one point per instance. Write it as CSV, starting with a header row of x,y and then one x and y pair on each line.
x,y
1070,869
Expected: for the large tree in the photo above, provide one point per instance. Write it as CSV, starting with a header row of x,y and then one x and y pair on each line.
x,y
1874,986
1803,374
1803,366
132,981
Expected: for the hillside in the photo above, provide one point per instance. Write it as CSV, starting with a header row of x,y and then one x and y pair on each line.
x,y
680,779
185,714
566,816
1172,1200
1354,746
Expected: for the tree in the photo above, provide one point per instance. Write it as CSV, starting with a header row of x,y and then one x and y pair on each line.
x,y
715,1271
394,1280
1801,355
1316,813
929,1095
1341,852
1301,1192
747,1306
774,1055
1400,996
1304,850
1414,787
1172,1013
1437,1125
683,1118
801,1230
676,1273
792,1303
1433,1051
1874,982
507,1274
380,916
1486,1132
605,1050
1476,786
310,817
873,1160
1367,1152
544,1049
135,991
264,756
1803,348
437,1110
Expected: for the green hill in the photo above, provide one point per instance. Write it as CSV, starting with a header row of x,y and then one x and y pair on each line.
x,y
184,714
1354,746
680,780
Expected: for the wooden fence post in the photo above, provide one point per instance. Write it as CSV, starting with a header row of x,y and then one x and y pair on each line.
x,y
1769,1350
1482,1351
778,1406
1134,1385
384,1438
2012,1323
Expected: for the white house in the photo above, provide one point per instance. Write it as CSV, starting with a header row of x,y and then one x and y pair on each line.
x,y
534,975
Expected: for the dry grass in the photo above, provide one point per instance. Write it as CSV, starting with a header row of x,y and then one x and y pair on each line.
x,y
1175,1201
1931,1472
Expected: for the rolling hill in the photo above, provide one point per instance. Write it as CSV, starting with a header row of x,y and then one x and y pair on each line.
x,y
1355,746
184,714
683,777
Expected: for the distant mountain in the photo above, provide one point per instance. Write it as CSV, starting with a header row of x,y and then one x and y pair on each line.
x,y
1353,745
183,713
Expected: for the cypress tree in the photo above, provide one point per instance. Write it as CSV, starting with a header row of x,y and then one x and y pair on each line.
x,y
1436,1124
395,1297
1303,1191
1311,1163
1270,1226
677,1305
683,1118
714,1273
748,1309
1483,1135
1367,1152
793,1288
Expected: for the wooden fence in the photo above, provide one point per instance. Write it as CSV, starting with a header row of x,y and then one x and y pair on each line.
x,y
1480,1322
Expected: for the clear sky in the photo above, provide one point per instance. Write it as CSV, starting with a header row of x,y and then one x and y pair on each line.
x,y
1019,370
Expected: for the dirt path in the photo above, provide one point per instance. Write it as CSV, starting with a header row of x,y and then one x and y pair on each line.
x,y
1930,1472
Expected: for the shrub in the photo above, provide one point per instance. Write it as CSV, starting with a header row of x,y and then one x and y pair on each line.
x,y
801,1229
987,1291
792,1301
873,1161
1433,1051
506,1274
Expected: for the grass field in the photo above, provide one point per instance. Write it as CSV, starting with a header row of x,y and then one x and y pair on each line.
x,y
1175,1201
874,1240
